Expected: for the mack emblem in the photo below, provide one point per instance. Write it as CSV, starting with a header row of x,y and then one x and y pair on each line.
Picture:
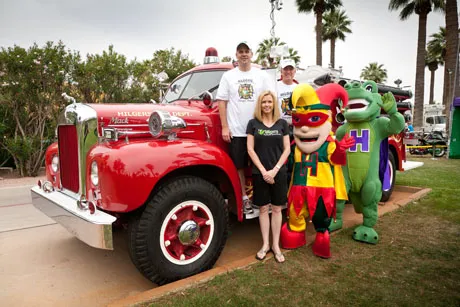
x,y
116,120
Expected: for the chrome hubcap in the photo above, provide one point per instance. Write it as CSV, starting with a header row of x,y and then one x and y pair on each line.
x,y
189,232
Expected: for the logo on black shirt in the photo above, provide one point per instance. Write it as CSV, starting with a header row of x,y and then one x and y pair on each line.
x,y
268,132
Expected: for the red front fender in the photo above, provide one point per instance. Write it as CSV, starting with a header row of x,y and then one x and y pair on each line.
x,y
128,172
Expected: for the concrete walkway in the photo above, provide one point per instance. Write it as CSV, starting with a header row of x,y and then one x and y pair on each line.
x,y
245,240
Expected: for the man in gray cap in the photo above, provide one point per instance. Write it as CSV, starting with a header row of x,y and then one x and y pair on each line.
x,y
237,95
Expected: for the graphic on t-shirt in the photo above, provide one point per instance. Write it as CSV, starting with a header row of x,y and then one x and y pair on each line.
x,y
284,98
268,132
285,106
246,91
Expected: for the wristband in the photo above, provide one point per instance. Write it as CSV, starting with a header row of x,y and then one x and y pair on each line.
x,y
278,167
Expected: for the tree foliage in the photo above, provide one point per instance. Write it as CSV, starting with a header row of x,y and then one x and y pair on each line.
x,y
172,62
318,7
33,80
375,72
437,44
263,52
102,78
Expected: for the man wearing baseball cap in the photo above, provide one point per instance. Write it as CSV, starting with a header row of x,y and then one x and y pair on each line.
x,y
237,95
285,86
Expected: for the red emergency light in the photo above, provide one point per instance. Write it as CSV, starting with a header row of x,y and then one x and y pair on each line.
x,y
211,56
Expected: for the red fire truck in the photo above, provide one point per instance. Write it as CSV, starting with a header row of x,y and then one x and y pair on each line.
x,y
161,169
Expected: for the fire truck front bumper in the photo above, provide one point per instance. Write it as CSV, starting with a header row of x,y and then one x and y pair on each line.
x,y
93,229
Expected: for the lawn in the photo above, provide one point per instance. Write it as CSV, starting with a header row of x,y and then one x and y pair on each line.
x,y
415,263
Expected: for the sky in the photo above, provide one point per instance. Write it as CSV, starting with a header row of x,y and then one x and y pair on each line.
x,y
137,28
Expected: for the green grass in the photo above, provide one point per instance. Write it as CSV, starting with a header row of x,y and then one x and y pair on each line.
x,y
416,262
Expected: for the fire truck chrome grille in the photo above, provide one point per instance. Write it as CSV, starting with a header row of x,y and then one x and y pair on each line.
x,y
68,156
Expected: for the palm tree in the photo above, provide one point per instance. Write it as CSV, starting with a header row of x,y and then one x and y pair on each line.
x,y
435,56
451,64
263,52
294,55
374,72
432,61
437,43
336,24
318,7
422,8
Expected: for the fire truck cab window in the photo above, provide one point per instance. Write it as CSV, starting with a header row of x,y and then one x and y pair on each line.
x,y
194,84
429,120
176,89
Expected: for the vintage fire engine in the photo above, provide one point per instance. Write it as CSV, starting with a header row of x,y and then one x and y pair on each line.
x,y
162,169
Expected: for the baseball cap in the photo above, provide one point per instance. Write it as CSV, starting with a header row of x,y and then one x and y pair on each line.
x,y
287,62
242,43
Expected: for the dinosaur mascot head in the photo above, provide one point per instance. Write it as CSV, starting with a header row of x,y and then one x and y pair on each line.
x,y
312,114
364,103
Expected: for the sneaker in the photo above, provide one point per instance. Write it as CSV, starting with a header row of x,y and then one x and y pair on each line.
x,y
247,207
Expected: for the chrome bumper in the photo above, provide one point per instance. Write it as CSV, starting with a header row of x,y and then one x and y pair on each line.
x,y
93,229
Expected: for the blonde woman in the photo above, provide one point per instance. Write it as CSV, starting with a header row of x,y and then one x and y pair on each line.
x,y
268,148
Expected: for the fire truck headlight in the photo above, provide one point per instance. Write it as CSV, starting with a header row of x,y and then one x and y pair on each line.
x,y
156,122
163,123
55,164
94,174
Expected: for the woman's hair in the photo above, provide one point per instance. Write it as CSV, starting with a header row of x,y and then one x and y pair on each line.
x,y
276,109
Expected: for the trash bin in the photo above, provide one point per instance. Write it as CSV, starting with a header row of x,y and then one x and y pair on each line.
x,y
454,146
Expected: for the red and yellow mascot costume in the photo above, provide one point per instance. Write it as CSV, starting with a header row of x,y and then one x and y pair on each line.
x,y
317,179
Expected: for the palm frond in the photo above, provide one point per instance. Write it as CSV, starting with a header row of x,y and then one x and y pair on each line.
x,y
407,11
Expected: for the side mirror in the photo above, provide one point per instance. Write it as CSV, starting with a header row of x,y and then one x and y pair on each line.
x,y
207,99
206,96
176,88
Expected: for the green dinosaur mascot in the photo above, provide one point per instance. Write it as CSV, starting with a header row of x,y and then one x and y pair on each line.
x,y
362,170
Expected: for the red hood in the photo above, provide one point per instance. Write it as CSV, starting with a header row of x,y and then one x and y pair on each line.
x,y
131,116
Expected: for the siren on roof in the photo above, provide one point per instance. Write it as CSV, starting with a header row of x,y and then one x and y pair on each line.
x,y
211,56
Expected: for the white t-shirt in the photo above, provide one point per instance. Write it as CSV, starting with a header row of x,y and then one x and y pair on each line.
x,y
241,89
284,92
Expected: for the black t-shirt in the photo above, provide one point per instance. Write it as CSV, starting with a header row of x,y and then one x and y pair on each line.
x,y
268,142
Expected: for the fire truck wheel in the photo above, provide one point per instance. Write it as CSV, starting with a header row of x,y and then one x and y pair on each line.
x,y
392,165
181,232
132,230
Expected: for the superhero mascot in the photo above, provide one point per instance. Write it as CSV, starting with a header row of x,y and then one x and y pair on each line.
x,y
317,178
363,122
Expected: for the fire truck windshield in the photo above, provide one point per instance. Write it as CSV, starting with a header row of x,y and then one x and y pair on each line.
x,y
192,84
